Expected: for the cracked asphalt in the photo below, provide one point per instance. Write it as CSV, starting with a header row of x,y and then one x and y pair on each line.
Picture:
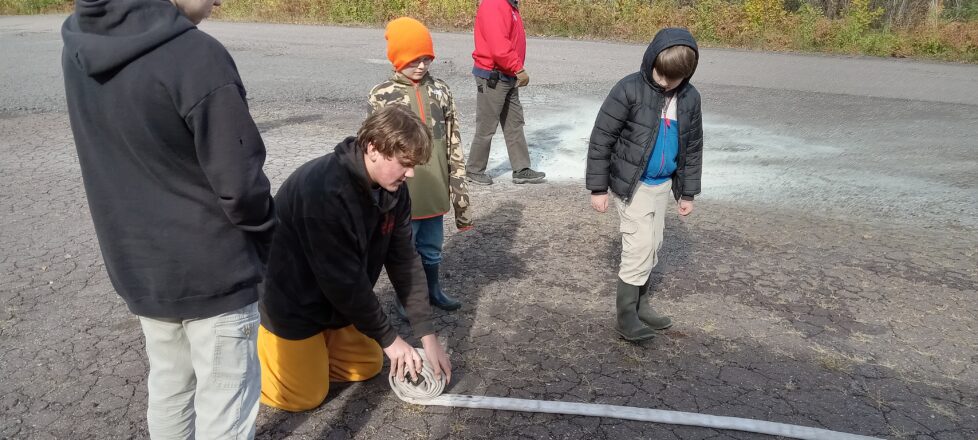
x,y
827,278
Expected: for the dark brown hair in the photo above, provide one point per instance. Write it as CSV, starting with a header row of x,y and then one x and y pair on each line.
x,y
676,62
395,131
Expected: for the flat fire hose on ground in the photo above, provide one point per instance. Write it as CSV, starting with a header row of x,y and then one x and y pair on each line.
x,y
428,391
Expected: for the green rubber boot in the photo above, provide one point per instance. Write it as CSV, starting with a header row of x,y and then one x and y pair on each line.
x,y
645,312
629,326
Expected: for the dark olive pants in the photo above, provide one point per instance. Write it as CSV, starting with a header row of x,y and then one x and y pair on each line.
x,y
500,105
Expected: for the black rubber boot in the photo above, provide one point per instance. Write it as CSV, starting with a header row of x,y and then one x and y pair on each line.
x,y
436,296
629,326
645,312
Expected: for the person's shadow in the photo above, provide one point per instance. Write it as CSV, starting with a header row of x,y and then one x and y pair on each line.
x,y
473,262
475,259
677,246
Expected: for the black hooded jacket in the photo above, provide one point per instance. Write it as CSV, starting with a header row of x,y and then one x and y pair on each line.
x,y
628,122
335,235
170,157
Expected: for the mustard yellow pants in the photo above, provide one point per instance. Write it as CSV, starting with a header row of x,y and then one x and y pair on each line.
x,y
295,375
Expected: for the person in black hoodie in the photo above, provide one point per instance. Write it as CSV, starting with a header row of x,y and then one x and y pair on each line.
x,y
172,166
647,143
343,217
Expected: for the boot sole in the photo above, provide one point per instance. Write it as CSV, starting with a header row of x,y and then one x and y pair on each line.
x,y
657,328
632,338
447,308
535,180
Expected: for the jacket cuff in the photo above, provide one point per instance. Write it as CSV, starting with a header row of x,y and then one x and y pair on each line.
x,y
598,193
690,198
422,328
387,337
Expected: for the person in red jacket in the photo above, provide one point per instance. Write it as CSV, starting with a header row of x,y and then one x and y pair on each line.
x,y
500,51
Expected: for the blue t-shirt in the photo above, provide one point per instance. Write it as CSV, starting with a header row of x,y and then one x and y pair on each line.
x,y
665,152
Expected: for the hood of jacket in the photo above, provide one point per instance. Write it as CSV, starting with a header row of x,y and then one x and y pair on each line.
x,y
663,40
350,156
102,36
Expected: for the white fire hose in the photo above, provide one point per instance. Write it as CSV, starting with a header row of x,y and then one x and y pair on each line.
x,y
428,391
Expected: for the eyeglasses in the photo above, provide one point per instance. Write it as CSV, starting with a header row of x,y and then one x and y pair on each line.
x,y
426,60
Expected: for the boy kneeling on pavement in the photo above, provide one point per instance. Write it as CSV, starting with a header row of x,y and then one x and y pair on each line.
x,y
343,217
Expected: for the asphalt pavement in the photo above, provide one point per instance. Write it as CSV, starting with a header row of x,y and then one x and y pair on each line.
x,y
828,276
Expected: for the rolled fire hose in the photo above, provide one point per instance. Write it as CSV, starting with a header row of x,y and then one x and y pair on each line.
x,y
428,391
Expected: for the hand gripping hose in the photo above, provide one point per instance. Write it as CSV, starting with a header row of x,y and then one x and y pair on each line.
x,y
428,391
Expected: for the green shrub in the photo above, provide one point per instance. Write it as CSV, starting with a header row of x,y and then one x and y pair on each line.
x,y
352,11
808,19
960,10
21,7
707,17
856,23
860,16
764,13
881,44
931,46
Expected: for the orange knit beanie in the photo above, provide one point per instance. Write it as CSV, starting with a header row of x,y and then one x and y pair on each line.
x,y
407,40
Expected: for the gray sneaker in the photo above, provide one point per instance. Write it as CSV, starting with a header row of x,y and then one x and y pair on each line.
x,y
527,175
478,179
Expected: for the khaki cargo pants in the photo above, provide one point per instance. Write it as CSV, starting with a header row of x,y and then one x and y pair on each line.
x,y
642,225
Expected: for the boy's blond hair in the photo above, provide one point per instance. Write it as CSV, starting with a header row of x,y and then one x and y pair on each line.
x,y
676,62
395,131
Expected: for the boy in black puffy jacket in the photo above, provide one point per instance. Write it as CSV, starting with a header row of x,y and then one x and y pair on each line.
x,y
647,142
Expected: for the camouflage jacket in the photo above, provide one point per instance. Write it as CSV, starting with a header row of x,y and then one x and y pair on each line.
x,y
440,183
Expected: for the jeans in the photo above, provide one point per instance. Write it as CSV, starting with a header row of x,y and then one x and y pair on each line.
x,y
429,236
204,377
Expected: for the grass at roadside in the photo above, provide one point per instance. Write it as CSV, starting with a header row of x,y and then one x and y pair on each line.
x,y
858,28
27,7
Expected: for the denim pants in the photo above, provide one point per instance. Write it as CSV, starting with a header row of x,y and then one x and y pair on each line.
x,y
429,236
204,377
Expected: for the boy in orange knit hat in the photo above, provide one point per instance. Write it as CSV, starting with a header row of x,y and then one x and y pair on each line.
x,y
440,183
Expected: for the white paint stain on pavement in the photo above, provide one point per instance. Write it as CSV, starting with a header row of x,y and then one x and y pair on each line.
x,y
751,164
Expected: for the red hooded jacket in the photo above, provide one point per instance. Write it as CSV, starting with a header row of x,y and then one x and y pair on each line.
x,y
500,40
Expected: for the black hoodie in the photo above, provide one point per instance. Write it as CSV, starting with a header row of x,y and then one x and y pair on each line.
x,y
170,158
335,235
628,122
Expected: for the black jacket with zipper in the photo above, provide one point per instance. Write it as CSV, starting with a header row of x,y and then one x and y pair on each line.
x,y
335,235
170,158
626,127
